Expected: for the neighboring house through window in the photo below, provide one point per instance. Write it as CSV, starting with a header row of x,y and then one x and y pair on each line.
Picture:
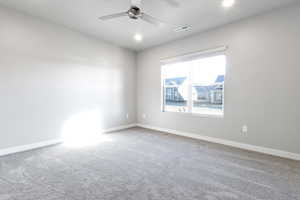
x,y
194,85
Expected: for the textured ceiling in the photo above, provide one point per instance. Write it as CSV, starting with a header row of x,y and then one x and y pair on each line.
x,y
82,15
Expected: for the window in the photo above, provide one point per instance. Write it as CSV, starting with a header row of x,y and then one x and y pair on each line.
x,y
194,85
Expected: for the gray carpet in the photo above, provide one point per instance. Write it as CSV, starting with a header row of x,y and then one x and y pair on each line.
x,y
139,164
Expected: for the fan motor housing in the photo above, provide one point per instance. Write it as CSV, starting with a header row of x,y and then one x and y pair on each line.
x,y
134,12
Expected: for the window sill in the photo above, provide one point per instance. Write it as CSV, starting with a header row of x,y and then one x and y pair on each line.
x,y
200,115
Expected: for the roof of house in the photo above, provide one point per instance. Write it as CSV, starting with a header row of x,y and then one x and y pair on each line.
x,y
203,88
179,81
174,81
220,79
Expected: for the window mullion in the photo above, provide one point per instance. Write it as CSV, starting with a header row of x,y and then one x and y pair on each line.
x,y
190,98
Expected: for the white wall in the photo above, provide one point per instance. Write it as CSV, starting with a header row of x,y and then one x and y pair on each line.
x,y
51,77
261,88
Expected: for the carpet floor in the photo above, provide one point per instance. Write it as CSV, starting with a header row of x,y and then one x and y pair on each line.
x,y
140,164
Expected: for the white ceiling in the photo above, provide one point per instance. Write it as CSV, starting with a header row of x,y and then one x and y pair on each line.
x,y
82,15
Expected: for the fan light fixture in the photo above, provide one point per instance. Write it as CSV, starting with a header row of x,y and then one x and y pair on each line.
x,y
138,37
228,3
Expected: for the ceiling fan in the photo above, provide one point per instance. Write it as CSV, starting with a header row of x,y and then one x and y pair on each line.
x,y
136,13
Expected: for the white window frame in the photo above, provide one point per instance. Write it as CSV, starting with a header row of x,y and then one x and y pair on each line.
x,y
221,50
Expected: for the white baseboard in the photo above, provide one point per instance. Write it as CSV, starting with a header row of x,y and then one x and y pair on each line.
x,y
27,147
264,150
119,128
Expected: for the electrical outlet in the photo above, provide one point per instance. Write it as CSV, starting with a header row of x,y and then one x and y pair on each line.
x,y
244,129
144,116
127,116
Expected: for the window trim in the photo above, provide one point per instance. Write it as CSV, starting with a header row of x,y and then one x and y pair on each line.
x,y
187,57
191,55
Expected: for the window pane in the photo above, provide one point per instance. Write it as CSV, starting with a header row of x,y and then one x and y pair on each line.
x,y
175,87
208,75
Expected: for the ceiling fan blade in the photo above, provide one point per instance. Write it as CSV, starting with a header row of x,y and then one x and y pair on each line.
x,y
113,16
151,20
173,3
136,3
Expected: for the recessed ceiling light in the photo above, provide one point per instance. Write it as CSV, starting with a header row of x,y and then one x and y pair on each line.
x,y
228,3
138,37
